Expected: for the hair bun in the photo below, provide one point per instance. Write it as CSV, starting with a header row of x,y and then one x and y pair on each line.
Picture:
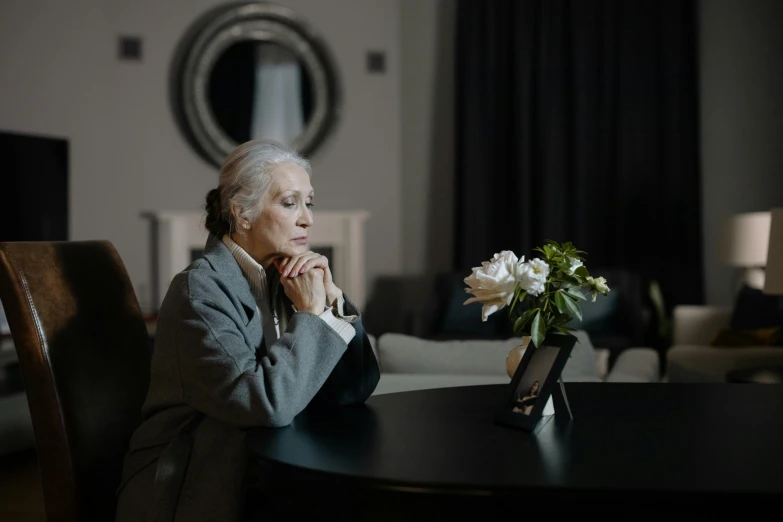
x,y
215,221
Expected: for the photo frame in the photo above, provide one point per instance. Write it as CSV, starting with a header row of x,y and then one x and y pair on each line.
x,y
534,382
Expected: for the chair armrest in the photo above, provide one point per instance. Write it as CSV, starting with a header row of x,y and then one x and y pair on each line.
x,y
698,325
602,363
689,363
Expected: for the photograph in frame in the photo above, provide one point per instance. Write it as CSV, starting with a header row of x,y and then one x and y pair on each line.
x,y
534,381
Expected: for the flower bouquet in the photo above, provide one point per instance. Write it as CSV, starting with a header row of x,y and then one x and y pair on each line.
x,y
542,294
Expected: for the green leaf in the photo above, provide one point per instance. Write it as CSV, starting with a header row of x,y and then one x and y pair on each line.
x,y
519,296
573,308
570,279
564,329
582,271
538,329
561,319
522,321
560,302
576,294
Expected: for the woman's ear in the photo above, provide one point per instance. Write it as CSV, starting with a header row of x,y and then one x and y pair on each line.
x,y
234,213
242,223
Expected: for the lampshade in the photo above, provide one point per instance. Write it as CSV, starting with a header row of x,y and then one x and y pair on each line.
x,y
744,239
773,283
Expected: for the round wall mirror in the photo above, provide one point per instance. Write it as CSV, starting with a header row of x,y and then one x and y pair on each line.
x,y
253,71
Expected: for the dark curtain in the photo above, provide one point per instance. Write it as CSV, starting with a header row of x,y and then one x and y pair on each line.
x,y
232,89
578,121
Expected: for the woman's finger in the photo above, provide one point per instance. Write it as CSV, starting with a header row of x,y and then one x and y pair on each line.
x,y
288,265
295,267
283,262
317,261
327,277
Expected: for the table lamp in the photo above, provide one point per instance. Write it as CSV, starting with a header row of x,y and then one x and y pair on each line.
x,y
743,243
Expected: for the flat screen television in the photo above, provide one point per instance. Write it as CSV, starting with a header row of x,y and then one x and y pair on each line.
x,y
33,187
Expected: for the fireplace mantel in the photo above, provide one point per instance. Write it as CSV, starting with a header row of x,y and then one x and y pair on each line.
x,y
178,237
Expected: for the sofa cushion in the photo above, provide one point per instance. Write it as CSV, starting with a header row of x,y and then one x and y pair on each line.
x,y
699,363
740,338
753,309
401,353
462,319
600,316
582,365
636,365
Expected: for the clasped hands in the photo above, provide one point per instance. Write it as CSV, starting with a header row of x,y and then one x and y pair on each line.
x,y
307,281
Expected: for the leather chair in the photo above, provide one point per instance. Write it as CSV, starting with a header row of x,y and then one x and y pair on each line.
x,y
84,355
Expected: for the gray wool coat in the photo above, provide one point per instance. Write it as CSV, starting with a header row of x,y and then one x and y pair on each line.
x,y
213,378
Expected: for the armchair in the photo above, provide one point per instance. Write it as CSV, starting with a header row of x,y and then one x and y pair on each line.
x,y
693,358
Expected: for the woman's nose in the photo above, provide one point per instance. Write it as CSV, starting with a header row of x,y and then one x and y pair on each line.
x,y
305,219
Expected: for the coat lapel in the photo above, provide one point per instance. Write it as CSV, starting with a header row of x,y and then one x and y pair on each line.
x,y
219,256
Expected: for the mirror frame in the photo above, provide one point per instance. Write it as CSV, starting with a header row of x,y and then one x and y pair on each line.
x,y
225,25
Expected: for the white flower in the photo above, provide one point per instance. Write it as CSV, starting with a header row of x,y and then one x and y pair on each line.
x,y
599,285
532,276
540,268
493,283
575,263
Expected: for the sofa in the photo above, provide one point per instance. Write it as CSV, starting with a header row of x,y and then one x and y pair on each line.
x,y
431,307
694,355
411,363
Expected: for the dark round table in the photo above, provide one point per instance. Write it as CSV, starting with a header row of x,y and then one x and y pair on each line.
x,y
439,453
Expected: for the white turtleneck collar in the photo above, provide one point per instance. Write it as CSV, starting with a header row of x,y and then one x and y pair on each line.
x,y
254,272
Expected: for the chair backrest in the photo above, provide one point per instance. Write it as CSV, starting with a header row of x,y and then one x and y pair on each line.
x,y
84,355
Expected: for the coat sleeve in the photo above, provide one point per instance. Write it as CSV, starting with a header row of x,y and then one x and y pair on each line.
x,y
354,378
224,377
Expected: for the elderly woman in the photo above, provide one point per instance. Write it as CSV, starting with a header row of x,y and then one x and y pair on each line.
x,y
248,335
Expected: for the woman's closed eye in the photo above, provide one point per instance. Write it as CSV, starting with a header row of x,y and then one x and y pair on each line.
x,y
291,204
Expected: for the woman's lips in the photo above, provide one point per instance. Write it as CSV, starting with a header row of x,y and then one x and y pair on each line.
x,y
300,240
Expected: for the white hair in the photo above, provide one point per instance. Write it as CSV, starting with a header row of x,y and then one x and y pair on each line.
x,y
245,178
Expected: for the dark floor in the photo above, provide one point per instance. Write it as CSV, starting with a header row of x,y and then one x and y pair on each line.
x,y
21,499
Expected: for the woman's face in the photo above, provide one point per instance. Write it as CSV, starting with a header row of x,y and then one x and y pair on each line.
x,y
534,388
281,228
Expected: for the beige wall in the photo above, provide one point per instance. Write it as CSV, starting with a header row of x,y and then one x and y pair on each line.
x,y
59,75
741,46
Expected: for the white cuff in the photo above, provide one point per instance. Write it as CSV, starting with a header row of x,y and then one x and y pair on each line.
x,y
343,328
340,310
